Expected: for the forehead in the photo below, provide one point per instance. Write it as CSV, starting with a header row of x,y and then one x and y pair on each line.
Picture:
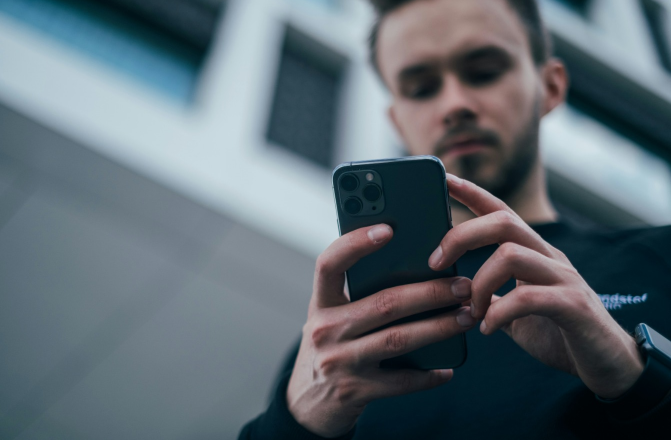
x,y
432,30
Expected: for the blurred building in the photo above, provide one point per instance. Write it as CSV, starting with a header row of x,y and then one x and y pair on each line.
x,y
165,188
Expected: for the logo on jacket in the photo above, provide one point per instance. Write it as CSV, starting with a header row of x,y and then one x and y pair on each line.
x,y
615,302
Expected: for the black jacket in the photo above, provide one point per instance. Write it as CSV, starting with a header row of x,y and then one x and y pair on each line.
x,y
501,391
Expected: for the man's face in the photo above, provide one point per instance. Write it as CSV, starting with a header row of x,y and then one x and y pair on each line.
x,y
464,88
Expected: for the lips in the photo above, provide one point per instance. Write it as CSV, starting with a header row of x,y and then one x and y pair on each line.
x,y
467,143
464,144
464,140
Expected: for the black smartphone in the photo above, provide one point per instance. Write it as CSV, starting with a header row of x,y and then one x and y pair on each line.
x,y
410,195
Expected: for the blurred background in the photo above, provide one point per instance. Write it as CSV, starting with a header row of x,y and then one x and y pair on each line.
x,y
165,188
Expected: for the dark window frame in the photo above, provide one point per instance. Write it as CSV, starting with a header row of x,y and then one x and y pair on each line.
x,y
302,51
581,7
658,18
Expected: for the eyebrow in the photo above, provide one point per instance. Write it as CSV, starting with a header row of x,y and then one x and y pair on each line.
x,y
484,52
416,70
490,51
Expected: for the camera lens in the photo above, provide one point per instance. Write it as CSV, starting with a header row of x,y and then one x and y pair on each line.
x,y
353,205
349,182
372,192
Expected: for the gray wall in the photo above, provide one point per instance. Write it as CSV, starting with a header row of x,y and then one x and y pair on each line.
x,y
126,310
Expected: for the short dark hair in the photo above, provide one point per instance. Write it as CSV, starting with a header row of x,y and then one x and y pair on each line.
x,y
527,10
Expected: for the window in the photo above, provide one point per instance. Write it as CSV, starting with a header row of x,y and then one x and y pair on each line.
x,y
160,43
657,16
304,112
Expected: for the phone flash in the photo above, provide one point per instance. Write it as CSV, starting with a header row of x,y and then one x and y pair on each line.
x,y
369,177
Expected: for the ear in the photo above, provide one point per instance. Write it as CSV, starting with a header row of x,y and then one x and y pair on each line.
x,y
555,84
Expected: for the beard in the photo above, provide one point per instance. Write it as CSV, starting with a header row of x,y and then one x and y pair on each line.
x,y
510,174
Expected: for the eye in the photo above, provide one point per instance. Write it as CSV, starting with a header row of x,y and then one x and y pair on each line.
x,y
422,88
481,77
484,71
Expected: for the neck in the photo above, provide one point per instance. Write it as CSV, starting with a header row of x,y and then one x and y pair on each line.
x,y
531,201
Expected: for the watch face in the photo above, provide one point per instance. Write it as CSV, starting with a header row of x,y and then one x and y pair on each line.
x,y
659,342
657,345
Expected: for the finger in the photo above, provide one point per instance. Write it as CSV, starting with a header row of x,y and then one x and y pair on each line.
x,y
525,300
506,328
479,201
495,228
388,383
398,302
331,265
511,260
404,338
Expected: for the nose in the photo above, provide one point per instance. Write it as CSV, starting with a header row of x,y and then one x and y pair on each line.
x,y
457,103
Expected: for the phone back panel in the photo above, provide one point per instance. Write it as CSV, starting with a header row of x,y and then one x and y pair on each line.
x,y
416,206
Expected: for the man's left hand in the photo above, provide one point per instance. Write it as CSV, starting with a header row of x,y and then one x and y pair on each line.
x,y
552,313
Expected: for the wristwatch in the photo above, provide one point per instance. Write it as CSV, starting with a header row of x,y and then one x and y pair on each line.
x,y
652,344
655,381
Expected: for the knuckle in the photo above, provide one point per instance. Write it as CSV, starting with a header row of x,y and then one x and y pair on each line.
x,y
565,300
510,251
559,255
505,218
321,332
395,340
323,265
568,273
318,336
582,301
444,327
329,364
526,296
386,303
435,292
455,236
307,329
448,326
346,392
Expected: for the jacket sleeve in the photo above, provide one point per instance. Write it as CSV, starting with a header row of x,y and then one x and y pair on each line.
x,y
588,417
642,412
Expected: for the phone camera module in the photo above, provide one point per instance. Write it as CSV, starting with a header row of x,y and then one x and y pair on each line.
x,y
349,182
353,206
372,192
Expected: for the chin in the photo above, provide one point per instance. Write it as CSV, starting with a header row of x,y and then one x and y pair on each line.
x,y
479,168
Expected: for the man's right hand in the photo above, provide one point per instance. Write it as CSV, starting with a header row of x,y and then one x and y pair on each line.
x,y
337,371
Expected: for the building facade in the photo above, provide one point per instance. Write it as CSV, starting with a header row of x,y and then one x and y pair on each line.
x,y
165,187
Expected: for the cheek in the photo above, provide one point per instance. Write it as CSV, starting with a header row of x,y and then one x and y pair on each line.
x,y
511,111
417,126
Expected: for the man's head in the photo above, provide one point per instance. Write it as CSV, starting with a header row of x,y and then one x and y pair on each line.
x,y
470,81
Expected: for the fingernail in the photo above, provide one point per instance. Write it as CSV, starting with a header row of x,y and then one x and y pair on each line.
x,y
483,326
465,319
444,374
455,179
436,257
473,310
379,233
461,288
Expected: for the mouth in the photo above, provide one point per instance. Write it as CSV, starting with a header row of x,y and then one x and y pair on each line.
x,y
464,145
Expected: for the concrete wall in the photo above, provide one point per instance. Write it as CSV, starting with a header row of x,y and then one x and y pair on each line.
x,y
126,310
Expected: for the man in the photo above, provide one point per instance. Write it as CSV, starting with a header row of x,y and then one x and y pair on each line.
x,y
470,81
